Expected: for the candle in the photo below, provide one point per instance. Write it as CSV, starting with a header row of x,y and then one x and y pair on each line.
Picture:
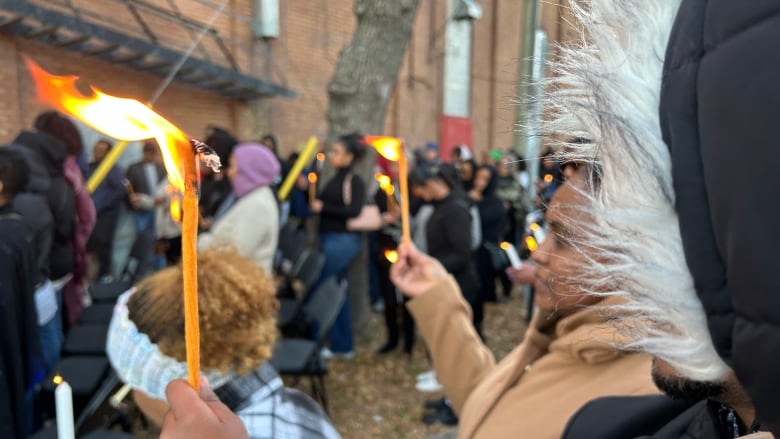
x,y
511,252
129,119
387,185
392,149
391,256
312,177
189,240
406,236
306,155
63,401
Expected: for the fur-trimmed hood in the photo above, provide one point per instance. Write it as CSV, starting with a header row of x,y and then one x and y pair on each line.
x,y
606,89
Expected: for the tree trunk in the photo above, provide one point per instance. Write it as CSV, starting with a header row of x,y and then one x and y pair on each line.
x,y
358,94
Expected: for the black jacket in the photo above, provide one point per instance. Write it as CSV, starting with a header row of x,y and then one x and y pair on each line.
x,y
448,233
650,417
46,156
335,210
21,363
719,102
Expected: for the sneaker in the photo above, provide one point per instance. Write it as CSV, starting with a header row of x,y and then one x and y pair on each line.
x,y
327,354
425,376
443,414
429,386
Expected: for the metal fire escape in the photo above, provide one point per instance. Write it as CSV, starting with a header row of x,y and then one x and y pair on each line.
x,y
146,35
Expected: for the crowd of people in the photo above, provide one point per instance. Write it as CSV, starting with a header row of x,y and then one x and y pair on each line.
x,y
649,319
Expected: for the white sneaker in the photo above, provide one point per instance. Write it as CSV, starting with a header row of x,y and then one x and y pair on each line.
x,y
426,375
430,385
327,354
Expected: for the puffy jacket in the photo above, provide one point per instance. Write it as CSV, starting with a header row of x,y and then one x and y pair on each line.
x,y
720,96
48,160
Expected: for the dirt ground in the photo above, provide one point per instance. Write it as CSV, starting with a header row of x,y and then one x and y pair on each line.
x,y
374,396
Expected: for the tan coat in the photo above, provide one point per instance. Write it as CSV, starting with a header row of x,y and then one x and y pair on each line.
x,y
534,390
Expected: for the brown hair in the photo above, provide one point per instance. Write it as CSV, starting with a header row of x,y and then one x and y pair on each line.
x,y
237,312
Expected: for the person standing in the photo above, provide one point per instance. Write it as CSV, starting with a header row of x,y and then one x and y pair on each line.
x,y
144,177
251,224
493,221
21,359
447,230
342,198
108,198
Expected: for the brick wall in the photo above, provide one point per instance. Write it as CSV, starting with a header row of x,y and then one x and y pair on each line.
x,y
312,33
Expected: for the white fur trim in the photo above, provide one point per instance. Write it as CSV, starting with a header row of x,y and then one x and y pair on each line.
x,y
607,89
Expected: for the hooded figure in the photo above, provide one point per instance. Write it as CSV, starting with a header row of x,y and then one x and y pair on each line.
x,y
251,224
609,90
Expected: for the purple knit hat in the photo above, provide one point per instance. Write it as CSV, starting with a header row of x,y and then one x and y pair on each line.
x,y
257,167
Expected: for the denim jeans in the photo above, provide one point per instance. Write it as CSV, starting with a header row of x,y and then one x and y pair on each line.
x,y
51,338
339,250
143,247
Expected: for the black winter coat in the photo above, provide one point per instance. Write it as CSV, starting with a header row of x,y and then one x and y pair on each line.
x,y
21,364
448,233
719,114
46,156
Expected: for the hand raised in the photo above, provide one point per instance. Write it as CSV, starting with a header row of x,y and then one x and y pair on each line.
x,y
415,273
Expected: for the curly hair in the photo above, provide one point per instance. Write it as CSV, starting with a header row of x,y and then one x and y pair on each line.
x,y
237,311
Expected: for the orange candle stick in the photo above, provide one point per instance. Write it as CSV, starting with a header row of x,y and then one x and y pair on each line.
x,y
403,182
312,177
129,119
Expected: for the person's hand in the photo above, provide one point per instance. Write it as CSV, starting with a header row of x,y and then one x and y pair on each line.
x,y
415,272
316,206
522,275
135,200
194,416
475,195
390,217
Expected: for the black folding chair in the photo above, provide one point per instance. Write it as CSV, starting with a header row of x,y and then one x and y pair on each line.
x,y
301,357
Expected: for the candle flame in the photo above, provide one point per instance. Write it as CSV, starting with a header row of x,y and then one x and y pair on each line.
x,y
505,245
391,256
320,156
387,146
530,243
57,379
312,177
534,226
120,118
548,178
385,183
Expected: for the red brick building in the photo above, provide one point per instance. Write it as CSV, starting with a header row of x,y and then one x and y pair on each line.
x,y
116,47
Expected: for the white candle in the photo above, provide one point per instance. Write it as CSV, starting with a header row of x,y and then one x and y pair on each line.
x,y
63,400
514,258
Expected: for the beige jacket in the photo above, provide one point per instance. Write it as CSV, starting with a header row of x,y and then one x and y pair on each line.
x,y
251,226
534,390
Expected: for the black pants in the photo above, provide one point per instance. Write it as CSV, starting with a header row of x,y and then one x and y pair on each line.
x,y
388,290
101,242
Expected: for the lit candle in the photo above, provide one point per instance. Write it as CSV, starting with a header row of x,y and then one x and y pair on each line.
x,y
406,236
392,149
511,253
63,401
386,184
129,119
391,256
312,177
